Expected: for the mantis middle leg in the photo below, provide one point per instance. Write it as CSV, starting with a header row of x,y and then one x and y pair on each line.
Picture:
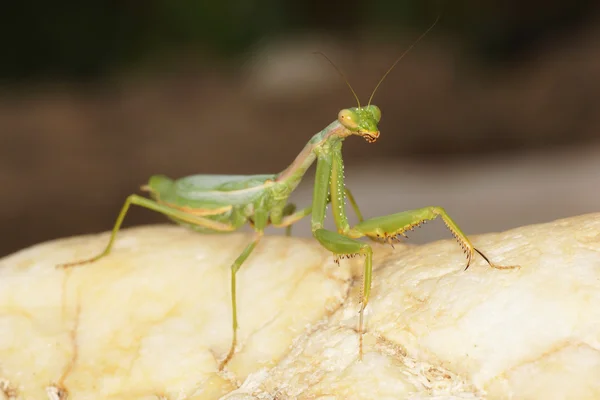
x,y
291,216
261,218
260,221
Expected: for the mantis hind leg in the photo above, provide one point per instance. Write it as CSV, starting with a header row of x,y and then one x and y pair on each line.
x,y
152,205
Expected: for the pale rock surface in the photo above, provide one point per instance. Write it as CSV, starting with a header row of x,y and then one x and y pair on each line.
x,y
152,320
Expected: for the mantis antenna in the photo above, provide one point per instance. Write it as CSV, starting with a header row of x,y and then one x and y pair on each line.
x,y
341,74
402,56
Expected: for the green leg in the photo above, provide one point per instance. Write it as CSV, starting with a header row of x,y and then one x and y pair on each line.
x,y
344,247
390,226
151,205
347,245
289,211
234,269
261,218
291,216
329,178
354,205
329,186
396,224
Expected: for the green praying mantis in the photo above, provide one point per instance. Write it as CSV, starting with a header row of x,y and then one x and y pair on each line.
x,y
225,203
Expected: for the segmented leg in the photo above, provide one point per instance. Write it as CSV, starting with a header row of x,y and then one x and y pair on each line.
x,y
329,185
234,269
291,216
392,225
342,245
152,205
261,218
347,245
353,203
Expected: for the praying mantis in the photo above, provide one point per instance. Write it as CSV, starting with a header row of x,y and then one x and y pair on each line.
x,y
225,203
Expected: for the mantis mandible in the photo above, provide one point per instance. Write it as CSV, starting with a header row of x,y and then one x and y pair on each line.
x,y
225,203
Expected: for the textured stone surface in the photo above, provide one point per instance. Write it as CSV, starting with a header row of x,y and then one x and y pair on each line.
x,y
152,320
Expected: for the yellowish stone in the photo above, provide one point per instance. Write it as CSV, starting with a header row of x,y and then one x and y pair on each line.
x,y
152,320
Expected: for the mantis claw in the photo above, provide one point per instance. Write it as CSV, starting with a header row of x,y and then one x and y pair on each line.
x,y
469,258
493,265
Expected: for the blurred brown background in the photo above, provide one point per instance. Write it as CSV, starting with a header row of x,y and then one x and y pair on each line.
x,y
495,115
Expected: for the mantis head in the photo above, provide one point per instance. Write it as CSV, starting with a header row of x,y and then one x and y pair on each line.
x,y
361,121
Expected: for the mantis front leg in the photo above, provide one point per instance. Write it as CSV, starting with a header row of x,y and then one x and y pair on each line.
x,y
337,242
330,177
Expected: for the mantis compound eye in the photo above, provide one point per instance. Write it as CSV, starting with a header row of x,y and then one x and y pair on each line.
x,y
348,119
375,112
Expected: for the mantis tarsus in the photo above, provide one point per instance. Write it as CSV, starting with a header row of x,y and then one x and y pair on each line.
x,y
225,203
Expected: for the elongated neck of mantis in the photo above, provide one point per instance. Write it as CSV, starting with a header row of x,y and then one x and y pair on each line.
x,y
296,170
